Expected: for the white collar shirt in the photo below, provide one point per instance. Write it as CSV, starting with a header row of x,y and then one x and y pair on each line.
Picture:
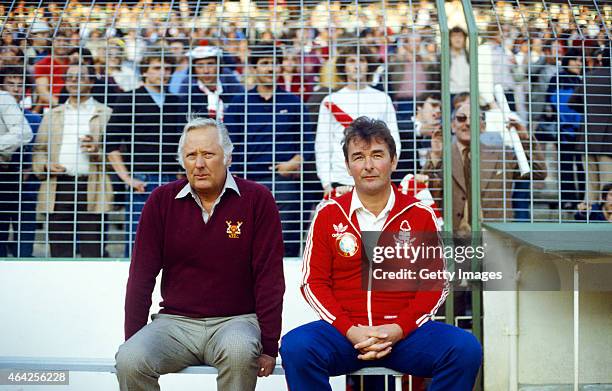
x,y
367,220
76,125
230,183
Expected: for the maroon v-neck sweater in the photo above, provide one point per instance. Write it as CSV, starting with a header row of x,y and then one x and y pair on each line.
x,y
206,270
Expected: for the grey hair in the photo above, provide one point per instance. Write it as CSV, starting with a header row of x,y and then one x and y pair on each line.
x,y
197,123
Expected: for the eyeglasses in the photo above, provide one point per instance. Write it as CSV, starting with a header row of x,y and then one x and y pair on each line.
x,y
461,118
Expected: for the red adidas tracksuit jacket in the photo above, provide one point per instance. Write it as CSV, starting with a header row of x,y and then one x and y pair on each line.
x,y
332,278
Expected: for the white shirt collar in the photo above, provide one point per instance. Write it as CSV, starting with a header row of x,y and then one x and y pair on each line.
x,y
230,183
356,204
87,104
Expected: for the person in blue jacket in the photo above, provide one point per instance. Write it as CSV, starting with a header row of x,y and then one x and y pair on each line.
x,y
600,212
269,128
560,90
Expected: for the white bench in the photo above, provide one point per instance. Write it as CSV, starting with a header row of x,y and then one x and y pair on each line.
x,y
108,366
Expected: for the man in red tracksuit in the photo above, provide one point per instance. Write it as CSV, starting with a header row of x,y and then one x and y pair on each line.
x,y
363,322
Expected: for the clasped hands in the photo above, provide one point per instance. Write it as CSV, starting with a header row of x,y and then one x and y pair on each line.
x,y
374,342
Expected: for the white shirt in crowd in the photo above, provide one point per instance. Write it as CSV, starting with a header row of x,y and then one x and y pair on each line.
x,y
494,67
459,73
76,125
15,130
367,102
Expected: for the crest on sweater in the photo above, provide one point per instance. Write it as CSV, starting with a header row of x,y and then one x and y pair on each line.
x,y
233,230
403,236
346,242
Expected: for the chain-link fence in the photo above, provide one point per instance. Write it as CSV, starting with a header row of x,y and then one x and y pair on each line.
x,y
94,97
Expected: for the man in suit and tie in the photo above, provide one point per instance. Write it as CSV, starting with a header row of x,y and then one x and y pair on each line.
x,y
498,168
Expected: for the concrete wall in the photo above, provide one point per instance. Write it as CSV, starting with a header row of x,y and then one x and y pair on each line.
x,y
545,325
75,309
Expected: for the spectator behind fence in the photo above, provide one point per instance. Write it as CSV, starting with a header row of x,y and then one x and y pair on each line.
x,y
459,62
212,86
340,108
293,77
39,42
222,303
409,76
560,90
495,66
23,219
119,69
15,132
104,89
542,71
497,171
142,136
600,211
459,65
416,141
49,72
595,140
177,54
270,128
359,327
68,157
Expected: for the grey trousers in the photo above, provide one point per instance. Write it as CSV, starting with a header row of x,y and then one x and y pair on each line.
x,y
170,343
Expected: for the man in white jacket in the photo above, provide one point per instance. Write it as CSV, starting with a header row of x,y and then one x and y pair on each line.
x,y
15,132
340,108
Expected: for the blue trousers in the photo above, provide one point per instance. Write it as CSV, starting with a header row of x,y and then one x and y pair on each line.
x,y
315,351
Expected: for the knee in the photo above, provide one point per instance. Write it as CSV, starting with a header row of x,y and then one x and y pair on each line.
x,y
294,348
468,352
239,350
130,360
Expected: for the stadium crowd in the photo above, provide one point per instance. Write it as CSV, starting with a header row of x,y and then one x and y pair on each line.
x,y
94,96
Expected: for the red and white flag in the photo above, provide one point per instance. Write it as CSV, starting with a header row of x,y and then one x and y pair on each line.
x,y
418,187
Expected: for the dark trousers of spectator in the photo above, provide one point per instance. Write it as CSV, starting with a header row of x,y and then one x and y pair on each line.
x,y
408,163
571,175
135,203
18,214
286,191
511,100
521,201
405,110
9,203
71,222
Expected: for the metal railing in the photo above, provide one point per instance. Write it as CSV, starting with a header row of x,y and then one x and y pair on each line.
x,y
409,47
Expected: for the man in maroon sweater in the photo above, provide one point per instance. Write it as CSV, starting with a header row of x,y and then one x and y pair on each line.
x,y
218,242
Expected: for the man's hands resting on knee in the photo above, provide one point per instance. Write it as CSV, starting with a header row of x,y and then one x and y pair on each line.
x,y
374,342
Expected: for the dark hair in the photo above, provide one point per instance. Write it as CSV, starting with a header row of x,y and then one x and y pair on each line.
x,y
13,71
353,50
368,129
426,95
460,97
605,190
548,44
86,60
265,50
571,54
605,56
457,29
152,55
